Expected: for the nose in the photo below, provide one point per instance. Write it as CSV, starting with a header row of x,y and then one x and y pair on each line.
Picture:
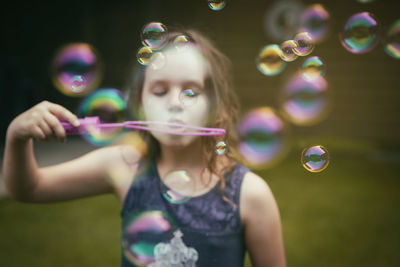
x,y
174,103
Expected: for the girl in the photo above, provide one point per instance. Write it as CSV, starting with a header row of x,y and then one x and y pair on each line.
x,y
231,209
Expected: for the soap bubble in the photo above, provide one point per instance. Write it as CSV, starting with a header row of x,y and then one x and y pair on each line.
x,y
142,231
109,106
154,35
76,69
221,148
287,48
305,44
360,33
269,60
315,158
315,21
216,5
313,67
178,186
263,137
392,42
305,102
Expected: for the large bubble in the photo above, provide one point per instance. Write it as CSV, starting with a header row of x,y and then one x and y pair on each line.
x,y
305,102
360,33
263,137
392,41
269,61
109,106
141,233
315,21
76,69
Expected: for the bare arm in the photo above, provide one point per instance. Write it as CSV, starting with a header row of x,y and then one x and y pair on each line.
x,y
260,215
25,181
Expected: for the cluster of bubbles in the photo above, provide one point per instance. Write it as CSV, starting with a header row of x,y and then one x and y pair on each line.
x,y
263,137
216,5
315,158
272,58
142,231
154,36
301,45
76,69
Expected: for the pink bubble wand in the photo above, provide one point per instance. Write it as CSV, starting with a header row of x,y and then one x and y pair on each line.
x,y
181,129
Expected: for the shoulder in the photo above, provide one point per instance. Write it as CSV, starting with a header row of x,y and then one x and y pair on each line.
x,y
256,196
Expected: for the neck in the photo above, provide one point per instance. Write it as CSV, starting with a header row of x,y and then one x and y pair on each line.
x,y
182,157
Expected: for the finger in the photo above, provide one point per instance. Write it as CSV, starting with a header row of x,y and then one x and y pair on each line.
x,y
56,126
46,130
63,113
38,134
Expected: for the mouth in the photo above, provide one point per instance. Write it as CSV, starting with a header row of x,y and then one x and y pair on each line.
x,y
176,124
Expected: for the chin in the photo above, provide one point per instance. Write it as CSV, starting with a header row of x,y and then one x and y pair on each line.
x,y
177,141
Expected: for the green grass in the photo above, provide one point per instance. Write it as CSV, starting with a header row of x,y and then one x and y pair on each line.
x,y
346,215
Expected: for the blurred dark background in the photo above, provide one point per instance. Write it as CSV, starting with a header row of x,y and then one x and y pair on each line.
x,y
365,88
346,215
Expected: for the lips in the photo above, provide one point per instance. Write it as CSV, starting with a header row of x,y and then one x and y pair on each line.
x,y
176,121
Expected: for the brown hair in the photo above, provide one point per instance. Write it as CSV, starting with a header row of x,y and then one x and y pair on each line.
x,y
224,103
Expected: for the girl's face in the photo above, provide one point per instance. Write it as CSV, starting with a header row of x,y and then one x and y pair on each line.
x,y
174,92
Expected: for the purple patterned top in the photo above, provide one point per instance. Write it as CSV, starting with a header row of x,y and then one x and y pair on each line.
x,y
208,223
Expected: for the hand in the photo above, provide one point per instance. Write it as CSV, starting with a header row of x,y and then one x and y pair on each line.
x,y
41,122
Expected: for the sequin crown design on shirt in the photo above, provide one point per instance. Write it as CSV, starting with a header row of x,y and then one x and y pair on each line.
x,y
174,254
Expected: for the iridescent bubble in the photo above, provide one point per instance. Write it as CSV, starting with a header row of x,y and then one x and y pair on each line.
x,y
78,83
315,21
216,5
76,69
144,55
263,138
315,158
305,44
181,42
154,35
392,42
360,33
313,67
178,186
221,148
142,231
188,97
305,102
109,106
269,60
287,47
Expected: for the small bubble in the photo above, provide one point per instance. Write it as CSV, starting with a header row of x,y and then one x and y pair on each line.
x,y
287,48
216,5
221,148
315,158
305,44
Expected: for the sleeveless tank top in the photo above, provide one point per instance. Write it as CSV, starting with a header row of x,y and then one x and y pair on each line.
x,y
208,229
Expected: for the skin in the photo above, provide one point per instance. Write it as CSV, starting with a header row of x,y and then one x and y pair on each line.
x,y
90,174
